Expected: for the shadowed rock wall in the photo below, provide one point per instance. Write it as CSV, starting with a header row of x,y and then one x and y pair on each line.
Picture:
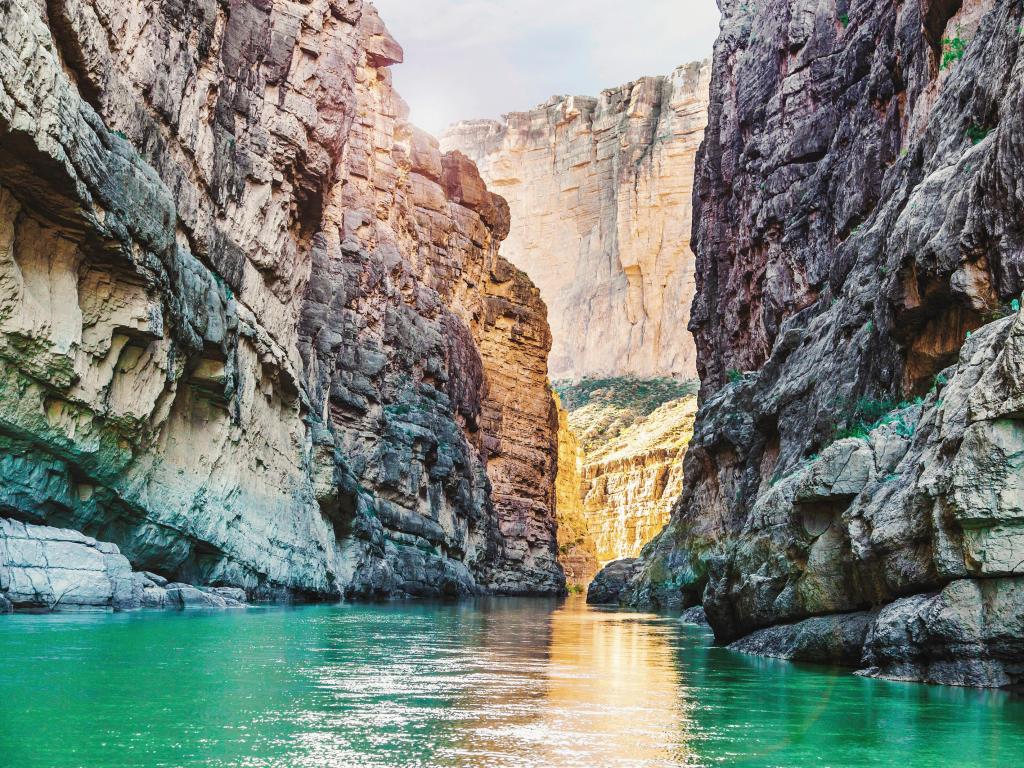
x,y
859,261
254,328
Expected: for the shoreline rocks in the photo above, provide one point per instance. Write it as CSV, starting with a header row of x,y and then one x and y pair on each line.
x,y
52,569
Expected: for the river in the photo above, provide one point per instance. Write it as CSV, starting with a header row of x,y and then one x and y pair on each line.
x,y
497,682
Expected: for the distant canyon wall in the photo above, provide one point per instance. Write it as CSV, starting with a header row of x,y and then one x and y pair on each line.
x,y
629,485
600,193
621,446
255,330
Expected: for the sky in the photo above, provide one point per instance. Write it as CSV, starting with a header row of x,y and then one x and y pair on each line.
x,y
482,58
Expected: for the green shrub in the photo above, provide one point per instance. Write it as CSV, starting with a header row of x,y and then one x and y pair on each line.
x,y
734,375
977,133
953,49
844,19
869,414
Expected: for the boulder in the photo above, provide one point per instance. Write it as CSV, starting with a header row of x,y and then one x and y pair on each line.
x,y
609,584
48,568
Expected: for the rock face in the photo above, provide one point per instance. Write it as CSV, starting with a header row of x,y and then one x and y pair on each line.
x,y
49,568
630,483
860,216
254,327
611,581
53,569
600,192
576,550
629,437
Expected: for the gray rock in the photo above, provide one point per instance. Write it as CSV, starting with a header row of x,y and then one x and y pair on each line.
x,y
156,597
694,615
609,584
837,639
231,595
56,569
154,579
187,596
969,634
6,606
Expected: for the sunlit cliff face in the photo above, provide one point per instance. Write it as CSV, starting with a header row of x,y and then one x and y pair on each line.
x,y
600,193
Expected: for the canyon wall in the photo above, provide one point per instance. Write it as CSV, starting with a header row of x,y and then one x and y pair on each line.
x,y
629,483
254,328
576,549
600,191
621,444
853,486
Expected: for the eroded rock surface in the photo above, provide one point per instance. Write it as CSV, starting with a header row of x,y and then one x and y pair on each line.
x,y
858,238
53,569
629,437
254,327
600,192
576,549
629,483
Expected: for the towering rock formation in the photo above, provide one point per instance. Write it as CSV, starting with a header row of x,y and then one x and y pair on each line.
x,y
859,242
600,192
254,328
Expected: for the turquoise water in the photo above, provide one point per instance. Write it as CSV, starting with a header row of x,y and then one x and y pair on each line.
x,y
491,683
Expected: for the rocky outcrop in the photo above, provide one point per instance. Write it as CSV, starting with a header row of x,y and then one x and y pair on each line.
x,y
576,550
254,328
600,192
50,569
53,569
611,580
858,237
630,482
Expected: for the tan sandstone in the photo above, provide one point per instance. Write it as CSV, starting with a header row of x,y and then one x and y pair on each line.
x,y
600,192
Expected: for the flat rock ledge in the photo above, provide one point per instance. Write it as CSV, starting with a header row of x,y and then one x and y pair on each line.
x,y
56,569
968,634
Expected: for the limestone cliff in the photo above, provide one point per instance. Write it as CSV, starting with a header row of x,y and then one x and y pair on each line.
x,y
630,436
852,488
254,328
630,483
600,192
576,550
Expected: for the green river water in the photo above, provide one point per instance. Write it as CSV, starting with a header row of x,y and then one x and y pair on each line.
x,y
489,683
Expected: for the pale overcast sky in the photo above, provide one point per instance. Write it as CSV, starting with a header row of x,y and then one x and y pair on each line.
x,y
481,58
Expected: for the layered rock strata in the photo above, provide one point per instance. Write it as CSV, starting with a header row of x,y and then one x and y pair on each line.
x,y
254,328
600,191
51,569
630,483
858,237
576,549
628,437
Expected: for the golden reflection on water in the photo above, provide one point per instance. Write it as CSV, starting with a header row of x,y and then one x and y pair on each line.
x,y
606,693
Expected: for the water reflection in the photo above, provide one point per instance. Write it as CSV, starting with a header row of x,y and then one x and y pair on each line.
x,y
495,683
